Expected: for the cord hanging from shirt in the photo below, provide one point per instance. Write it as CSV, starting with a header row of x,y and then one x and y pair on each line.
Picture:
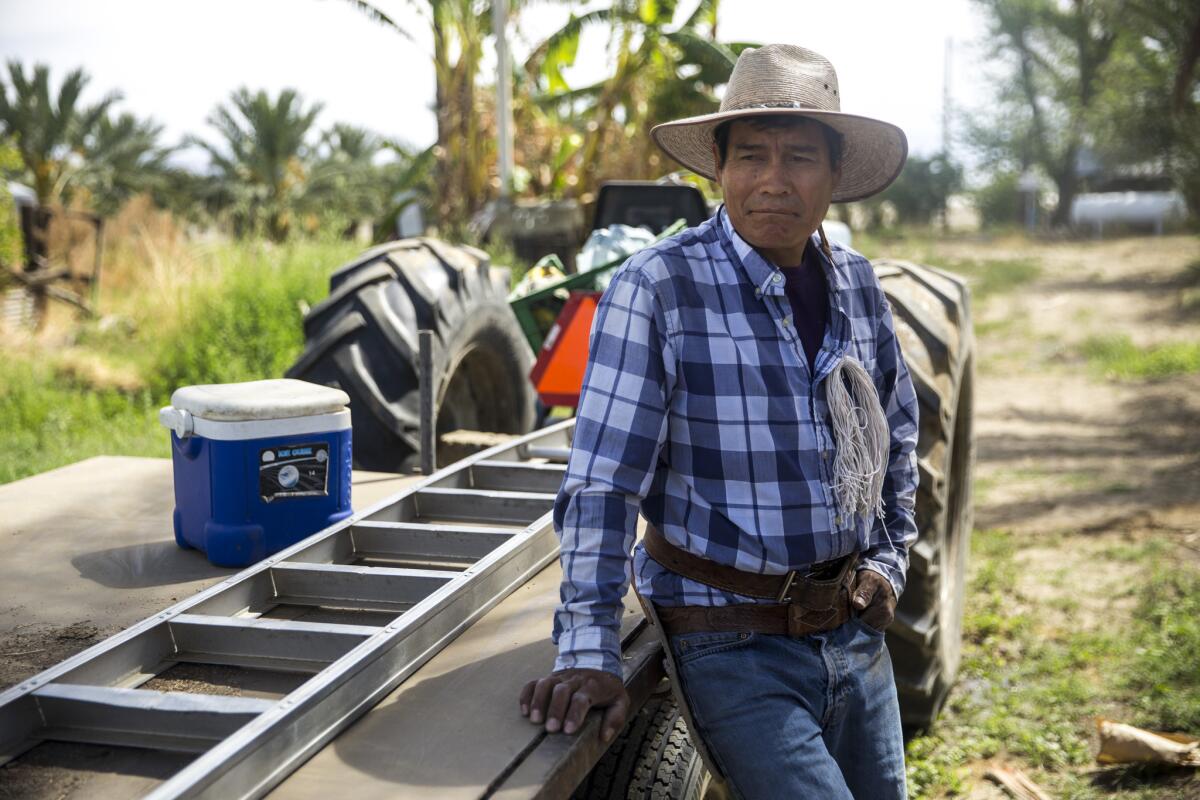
x,y
861,432
825,248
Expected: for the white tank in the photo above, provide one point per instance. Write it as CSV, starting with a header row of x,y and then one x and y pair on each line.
x,y
1155,209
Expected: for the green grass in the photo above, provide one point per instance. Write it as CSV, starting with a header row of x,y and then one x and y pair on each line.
x,y
1165,677
239,319
50,421
999,327
1029,690
987,483
988,277
1117,357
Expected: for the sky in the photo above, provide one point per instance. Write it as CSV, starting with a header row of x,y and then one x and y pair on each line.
x,y
175,61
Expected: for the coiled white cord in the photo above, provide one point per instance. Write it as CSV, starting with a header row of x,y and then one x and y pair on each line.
x,y
861,432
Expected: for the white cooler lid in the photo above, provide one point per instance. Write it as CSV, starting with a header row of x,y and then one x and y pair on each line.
x,y
282,398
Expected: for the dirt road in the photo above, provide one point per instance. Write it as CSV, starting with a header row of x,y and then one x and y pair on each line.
x,y
1062,445
1087,485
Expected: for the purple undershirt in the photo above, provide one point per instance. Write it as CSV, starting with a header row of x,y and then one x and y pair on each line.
x,y
807,292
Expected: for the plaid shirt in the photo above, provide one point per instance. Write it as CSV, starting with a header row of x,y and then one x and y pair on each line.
x,y
699,408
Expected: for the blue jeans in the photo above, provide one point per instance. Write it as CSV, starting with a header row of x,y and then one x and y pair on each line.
x,y
814,717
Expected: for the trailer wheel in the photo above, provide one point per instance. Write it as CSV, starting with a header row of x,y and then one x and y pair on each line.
x,y
652,759
932,314
363,340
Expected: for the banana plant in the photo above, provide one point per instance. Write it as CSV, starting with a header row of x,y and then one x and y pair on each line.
x,y
463,150
661,70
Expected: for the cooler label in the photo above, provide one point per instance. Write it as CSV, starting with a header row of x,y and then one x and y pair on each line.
x,y
299,470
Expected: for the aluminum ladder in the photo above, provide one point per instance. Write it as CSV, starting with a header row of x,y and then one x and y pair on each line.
x,y
423,564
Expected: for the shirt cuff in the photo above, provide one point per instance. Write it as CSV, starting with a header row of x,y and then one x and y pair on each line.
x,y
894,574
590,647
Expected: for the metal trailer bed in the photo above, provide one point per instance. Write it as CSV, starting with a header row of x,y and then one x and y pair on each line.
x,y
449,729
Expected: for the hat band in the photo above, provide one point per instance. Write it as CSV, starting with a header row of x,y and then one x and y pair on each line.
x,y
793,104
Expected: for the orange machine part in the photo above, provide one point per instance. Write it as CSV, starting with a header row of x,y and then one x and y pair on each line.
x,y
558,374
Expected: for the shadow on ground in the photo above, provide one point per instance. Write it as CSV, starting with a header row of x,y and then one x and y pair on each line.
x,y
139,566
1149,458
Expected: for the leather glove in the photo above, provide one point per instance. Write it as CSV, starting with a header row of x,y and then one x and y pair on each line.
x,y
873,600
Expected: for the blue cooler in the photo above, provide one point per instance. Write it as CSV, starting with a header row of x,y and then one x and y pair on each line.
x,y
258,466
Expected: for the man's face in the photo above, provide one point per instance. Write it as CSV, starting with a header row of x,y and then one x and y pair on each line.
x,y
777,183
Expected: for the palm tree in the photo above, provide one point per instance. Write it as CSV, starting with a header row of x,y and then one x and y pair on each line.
x,y
10,229
358,178
50,132
345,178
264,159
661,71
123,158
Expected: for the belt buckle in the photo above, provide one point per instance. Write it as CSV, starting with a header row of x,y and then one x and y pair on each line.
x,y
782,597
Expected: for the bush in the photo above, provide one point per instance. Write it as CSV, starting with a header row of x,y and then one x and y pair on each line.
x,y
230,313
999,202
922,189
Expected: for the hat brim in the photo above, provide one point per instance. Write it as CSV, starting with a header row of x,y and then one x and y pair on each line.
x,y
873,151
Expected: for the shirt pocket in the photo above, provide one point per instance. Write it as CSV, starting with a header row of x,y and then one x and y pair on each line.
x,y
863,345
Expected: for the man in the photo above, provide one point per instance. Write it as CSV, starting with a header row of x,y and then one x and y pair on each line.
x,y
745,391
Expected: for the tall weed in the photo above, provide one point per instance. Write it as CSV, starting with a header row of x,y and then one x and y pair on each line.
x,y
179,313
247,324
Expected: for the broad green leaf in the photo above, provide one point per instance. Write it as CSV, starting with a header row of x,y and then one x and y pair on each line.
x,y
560,54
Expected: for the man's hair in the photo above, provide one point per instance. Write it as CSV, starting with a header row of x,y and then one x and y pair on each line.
x,y
833,139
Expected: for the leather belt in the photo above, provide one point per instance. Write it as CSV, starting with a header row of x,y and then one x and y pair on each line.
x,y
818,600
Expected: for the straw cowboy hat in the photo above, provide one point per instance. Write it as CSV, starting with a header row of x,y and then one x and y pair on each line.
x,y
785,79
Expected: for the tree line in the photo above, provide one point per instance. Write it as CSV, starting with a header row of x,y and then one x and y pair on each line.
x,y
1110,80
273,172
1088,87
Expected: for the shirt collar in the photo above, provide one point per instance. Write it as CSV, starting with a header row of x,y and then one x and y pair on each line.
x,y
766,277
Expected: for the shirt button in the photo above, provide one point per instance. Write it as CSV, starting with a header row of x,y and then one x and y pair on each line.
x,y
785,322
777,278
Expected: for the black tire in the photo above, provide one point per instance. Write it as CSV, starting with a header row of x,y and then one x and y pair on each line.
x,y
363,340
651,759
933,322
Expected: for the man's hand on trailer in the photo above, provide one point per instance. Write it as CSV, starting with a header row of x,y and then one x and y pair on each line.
x,y
562,699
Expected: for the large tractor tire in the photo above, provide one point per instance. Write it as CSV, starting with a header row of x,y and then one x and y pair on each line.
x,y
363,340
651,759
933,322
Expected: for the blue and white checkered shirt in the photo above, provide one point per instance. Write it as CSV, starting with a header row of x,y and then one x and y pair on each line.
x,y
699,408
